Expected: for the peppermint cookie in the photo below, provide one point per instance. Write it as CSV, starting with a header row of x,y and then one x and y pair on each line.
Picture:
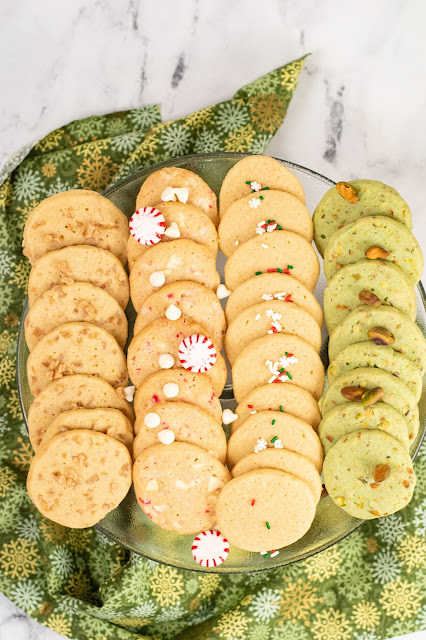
x,y
253,175
178,486
265,509
80,301
76,347
369,474
278,359
78,477
281,252
374,237
79,264
188,298
270,317
168,262
348,201
183,422
371,282
160,187
250,216
272,286
75,217
72,392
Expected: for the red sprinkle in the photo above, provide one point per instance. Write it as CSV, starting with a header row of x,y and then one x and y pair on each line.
x,y
250,406
170,295
274,329
155,398
271,271
252,503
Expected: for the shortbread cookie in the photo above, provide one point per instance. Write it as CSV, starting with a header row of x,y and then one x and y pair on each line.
x,y
273,429
192,300
80,301
279,397
374,237
78,477
72,392
75,217
168,262
164,337
266,318
79,264
278,359
253,173
109,421
177,486
177,385
366,323
265,509
199,193
352,416
272,286
186,221
282,252
186,423
283,460
76,347
369,474
371,282
277,209
370,198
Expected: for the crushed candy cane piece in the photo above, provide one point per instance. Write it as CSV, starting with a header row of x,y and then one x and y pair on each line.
x,y
172,231
147,225
228,416
197,353
166,361
157,278
260,445
210,548
171,390
129,393
151,486
166,436
173,312
223,292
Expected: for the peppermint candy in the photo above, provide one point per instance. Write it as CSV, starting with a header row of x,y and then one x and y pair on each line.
x,y
210,548
197,353
147,225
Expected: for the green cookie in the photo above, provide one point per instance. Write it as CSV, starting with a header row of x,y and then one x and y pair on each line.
x,y
350,244
374,198
368,354
369,474
349,286
352,416
408,338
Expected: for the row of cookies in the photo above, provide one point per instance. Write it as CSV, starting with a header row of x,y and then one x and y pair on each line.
x,y
377,352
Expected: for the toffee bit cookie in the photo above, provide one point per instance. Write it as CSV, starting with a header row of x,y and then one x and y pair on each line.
x,y
361,198
72,392
381,325
80,301
272,286
254,174
75,217
177,385
282,252
283,460
274,430
265,509
79,264
370,282
177,486
375,237
188,298
369,474
279,397
277,210
278,359
109,421
183,422
168,262
197,192
163,337
269,318
78,477
76,347
352,416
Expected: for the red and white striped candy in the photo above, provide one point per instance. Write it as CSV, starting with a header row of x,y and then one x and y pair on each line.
x,y
147,225
210,548
197,353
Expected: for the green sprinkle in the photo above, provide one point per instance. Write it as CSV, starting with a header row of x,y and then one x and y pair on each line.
x,y
279,270
268,526
289,266
279,227
248,182
289,376
265,188
286,353
257,273
281,409
266,554
274,438
281,370
260,197
273,422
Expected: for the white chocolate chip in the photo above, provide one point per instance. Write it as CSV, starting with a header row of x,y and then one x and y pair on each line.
x,y
166,436
172,231
182,194
171,390
228,416
157,278
173,312
214,483
258,316
129,393
171,193
168,195
166,361
222,292
237,242
265,246
152,485
181,485
152,420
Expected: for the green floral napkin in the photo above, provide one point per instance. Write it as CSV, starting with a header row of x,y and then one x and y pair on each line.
x,y
369,586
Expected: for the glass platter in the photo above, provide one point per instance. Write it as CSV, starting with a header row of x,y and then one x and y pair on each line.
x,y
127,525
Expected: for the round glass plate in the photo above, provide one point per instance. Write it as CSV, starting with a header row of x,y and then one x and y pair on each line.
x,y
127,524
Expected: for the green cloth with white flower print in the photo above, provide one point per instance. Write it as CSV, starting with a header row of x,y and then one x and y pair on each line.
x,y
82,585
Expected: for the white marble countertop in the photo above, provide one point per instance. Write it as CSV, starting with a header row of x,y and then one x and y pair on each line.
x,y
358,111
